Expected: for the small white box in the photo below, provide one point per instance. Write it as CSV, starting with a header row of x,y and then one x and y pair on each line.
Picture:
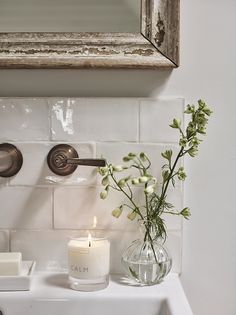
x,y
10,264
21,282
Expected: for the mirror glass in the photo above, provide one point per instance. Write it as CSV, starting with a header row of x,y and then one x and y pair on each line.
x,y
70,16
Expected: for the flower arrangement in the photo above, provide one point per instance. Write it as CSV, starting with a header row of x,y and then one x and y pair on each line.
x,y
154,191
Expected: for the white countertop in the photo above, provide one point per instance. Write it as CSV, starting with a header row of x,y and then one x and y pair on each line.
x,y
47,288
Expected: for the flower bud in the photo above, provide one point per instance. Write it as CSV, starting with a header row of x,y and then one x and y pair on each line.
x,y
122,183
183,142
176,123
186,213
103,194
143,179
132,155
126,159
105,181
103,170
167,154
117,212
132,215
143,156
118,168
135,181
181,174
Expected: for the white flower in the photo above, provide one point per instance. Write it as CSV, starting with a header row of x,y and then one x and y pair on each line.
x,y
149,190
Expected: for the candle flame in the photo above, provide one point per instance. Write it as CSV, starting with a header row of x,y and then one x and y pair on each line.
x,y
89,239
95,221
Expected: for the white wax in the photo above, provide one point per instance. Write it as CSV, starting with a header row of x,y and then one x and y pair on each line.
x,y
88,259
10,264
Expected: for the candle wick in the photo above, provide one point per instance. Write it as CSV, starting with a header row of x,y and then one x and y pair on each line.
x,y
89,244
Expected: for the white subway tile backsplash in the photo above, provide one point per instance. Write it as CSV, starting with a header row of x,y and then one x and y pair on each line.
x,y
49,248
25,207
40,211
35,170
155,118
102,119
24,119
75,208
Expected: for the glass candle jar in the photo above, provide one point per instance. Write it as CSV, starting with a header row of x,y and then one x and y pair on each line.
x,y
88,263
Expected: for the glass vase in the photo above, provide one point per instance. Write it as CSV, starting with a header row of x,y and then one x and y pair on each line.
x,y
146,261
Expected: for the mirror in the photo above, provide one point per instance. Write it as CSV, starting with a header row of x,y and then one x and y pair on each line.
x,y
70,16
89,33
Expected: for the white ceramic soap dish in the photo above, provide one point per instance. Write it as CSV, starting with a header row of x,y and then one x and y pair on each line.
x,y
21,282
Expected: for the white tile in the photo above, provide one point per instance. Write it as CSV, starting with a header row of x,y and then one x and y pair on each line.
x,y
98,119
114,152
75,208
155,118
3,181
4,241
35,170
49,248
24,119
25,207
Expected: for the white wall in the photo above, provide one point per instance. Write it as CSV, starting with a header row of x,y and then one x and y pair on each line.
x,y
208,70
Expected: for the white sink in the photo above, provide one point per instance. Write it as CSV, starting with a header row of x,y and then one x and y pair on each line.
x,y
51,295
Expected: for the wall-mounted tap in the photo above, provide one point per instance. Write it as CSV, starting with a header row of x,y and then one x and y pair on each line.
x,y
11,160
63,160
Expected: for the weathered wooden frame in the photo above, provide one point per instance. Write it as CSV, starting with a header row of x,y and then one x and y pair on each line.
x,y
156,46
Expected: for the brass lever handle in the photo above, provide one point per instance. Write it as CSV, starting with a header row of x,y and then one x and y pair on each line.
x,y
88,162
63,160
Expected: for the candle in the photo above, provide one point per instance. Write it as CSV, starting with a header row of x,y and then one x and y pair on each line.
x,y
89,263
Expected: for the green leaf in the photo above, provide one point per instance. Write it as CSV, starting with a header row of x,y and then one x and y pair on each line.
x,y
165,175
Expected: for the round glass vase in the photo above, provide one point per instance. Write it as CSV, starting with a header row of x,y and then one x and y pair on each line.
x,y
145,261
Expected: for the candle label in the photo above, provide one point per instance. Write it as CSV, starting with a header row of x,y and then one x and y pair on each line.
x,y
79,269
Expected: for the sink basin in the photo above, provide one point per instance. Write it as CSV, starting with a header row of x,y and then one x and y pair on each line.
x,y
50,294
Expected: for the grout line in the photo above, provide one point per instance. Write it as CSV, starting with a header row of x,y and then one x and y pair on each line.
x,y
53,214
157,98
49,120
139,121
9,241
89,142
84,229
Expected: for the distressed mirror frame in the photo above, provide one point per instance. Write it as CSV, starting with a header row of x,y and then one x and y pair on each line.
x,y
156,46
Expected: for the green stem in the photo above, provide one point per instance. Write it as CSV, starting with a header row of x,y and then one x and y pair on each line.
x,y
171,212
136,209
166,184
